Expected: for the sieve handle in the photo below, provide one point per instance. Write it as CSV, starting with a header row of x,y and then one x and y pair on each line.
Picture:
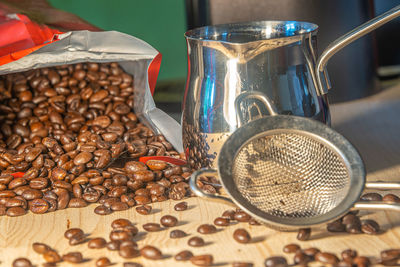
x,y
197,190
376,205
382,185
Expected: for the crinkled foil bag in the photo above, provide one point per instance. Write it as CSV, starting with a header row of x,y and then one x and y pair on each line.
x,y
132,54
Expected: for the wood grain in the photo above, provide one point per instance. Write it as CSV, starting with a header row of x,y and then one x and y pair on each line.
x,y
17,234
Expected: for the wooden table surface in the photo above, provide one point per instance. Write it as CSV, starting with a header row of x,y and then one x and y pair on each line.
x,y
18,233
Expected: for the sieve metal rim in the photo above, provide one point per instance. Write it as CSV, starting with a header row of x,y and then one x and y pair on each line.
x,y
286,123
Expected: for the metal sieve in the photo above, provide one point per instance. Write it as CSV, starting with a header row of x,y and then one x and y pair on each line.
x,y
290,171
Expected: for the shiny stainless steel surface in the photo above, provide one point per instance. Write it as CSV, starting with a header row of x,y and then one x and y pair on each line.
x,y
277,58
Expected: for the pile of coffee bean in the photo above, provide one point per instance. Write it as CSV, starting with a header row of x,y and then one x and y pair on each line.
x,y
62,127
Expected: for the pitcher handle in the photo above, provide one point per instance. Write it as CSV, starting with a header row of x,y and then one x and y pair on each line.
x,y
200,193
344,40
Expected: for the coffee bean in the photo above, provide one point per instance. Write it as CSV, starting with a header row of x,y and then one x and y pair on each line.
x,y
113,245
121,223
132,264
391,198
128,252
52,256
276,262
301,258
177,234
102,262
144,209
202,260
168,221
150,252
220,221
152,227
241,236
242,264
39,206
83,158
181,206
77,239
361,261
21,262
371,197
241,216
304,234
196,242
156,165
344,264
15,211
40,248
390,255
370,227
311,251
73,257
184,255
291,248
97,243
73,232
325,257
348,255
336,227
120,235
206,229
133,166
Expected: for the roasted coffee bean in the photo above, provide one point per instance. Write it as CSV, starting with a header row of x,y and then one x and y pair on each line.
x,y
102,262
168,221
177,234
304,234
77,203
73,257
40,248
15,211
327,258
97,243
196,242
241,236
120,235
241,216
344,264
348,255
370,227
336,227
361,261
184,255
254,222
181,206
118,206
291,248
132,264
21,262
202,260
371,197
128,252
52,256
220,221
77,239
134,166
121,223
311,251
206,229
390,255
144,209
113,245
276,262
151,252
30,194
152,227
301,258
39,206
128,243
391,198
73,232
242,264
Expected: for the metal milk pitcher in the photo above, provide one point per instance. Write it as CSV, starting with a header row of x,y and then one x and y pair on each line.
x,y
276,58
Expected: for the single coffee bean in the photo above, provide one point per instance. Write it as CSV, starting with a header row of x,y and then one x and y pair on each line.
x,y
196,242
119,206
348,255
168,221
113,245
15,211
102,210
220,221
391,198
276,262
371,197
311,251
128,252
202,260
350,218
370,227
390,255
52,256
102,262
40,248
97,243
361,261
242,264
39,206
73,257
120,235
144,209
177,234
304,234
21,262
184,255
241,236
152,227
301,258
150,252
121,223
354,227
229,214
128,243
181,206
336,227
83,158
327,258
206,229
68,234
242,216
77,203
254,222
134,166
291,248
156,165
132,264
77,239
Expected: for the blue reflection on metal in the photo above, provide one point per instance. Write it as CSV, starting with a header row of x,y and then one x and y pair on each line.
x,y
291,28
208,96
